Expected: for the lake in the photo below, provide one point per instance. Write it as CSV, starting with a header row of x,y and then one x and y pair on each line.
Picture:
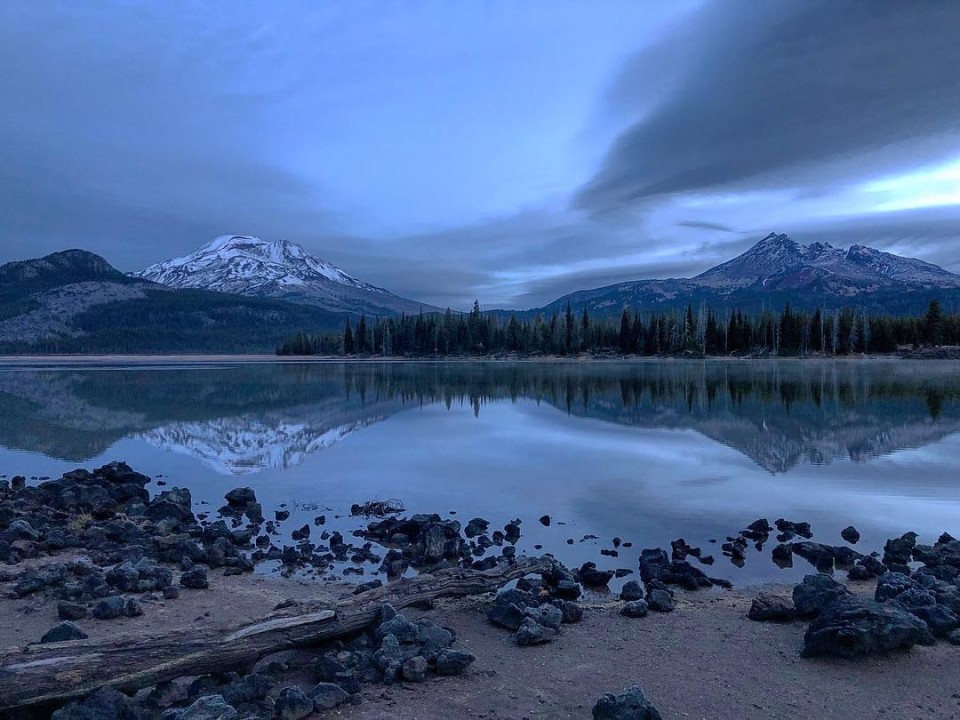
x,y
645,451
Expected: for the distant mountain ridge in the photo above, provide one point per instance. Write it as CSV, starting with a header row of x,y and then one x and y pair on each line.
x,y
247,265
778,269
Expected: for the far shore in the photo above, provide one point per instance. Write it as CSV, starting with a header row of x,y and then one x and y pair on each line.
x,y
202,358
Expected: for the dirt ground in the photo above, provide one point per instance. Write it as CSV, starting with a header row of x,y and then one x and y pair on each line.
x,y
705,660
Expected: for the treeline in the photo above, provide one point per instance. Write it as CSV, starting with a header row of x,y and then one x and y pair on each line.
x,y
692,332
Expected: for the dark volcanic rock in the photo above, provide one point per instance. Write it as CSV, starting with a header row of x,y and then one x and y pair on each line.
x,y
590,576
631,590
533,633
109,608
207,707
60,632
507,608
102,704
815,592
453,662
773,608
71,611
477,526
851,626
631,705
195,579
660,600
327,696
635,609
292,704
850,534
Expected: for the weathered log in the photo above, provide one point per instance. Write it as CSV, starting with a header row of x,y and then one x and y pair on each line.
x,y
54,672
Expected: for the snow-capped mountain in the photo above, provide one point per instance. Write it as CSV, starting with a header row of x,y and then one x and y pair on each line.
x,y
780,261
777,270
245,265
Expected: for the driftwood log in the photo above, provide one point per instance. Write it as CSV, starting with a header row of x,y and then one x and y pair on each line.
x,y
42,674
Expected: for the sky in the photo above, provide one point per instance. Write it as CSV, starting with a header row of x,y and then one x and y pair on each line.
x,y
481,149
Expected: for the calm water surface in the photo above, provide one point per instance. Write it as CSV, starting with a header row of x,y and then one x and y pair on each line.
x,y
646,451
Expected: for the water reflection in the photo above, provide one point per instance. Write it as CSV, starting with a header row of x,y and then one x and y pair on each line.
x,y
240,419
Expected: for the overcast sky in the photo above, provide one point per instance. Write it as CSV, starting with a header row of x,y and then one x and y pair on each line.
x,y
506,151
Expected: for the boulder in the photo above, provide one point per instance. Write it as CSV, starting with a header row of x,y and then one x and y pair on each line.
x,y
207,707
327,696
631,705
102,704
660,600
63,631
507,608
815,592
591,577
453,662
71,611
850,534
773,608
109,608
533,633
415,669
546,615
632,590
292,704
195,579
635,609
850,627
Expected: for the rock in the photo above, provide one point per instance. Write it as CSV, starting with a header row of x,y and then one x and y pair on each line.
x,y
660,600
819,555
389,658
249,688
899,551
545,520
892,585
632,590
63,631
171,593
815,592
195,579
240,498
533,633
850,534
292,704
507,608
415,669
631,705
301,534
109,608
165,694
773,608
590,576
635,609
327,695
850,626
572,613
71,611
401,628
102,704
954,637
453,662
939,619
132,608
208,707
546,615
475,527
281,515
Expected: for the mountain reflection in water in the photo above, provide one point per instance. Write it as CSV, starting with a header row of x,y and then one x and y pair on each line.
x,y
243,418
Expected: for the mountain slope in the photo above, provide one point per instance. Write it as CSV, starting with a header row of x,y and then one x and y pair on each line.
x,y
75,301
778,270
249,266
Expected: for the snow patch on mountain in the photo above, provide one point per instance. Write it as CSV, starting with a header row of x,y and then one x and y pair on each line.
x,y
241,264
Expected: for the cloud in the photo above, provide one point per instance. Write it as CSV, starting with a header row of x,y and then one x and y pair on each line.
x,y
781,94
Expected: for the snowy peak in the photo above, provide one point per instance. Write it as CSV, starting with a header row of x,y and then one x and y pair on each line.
x,y
241,264
779,261
246,265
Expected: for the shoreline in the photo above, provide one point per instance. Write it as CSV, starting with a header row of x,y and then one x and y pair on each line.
x,y
688,641
203,358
